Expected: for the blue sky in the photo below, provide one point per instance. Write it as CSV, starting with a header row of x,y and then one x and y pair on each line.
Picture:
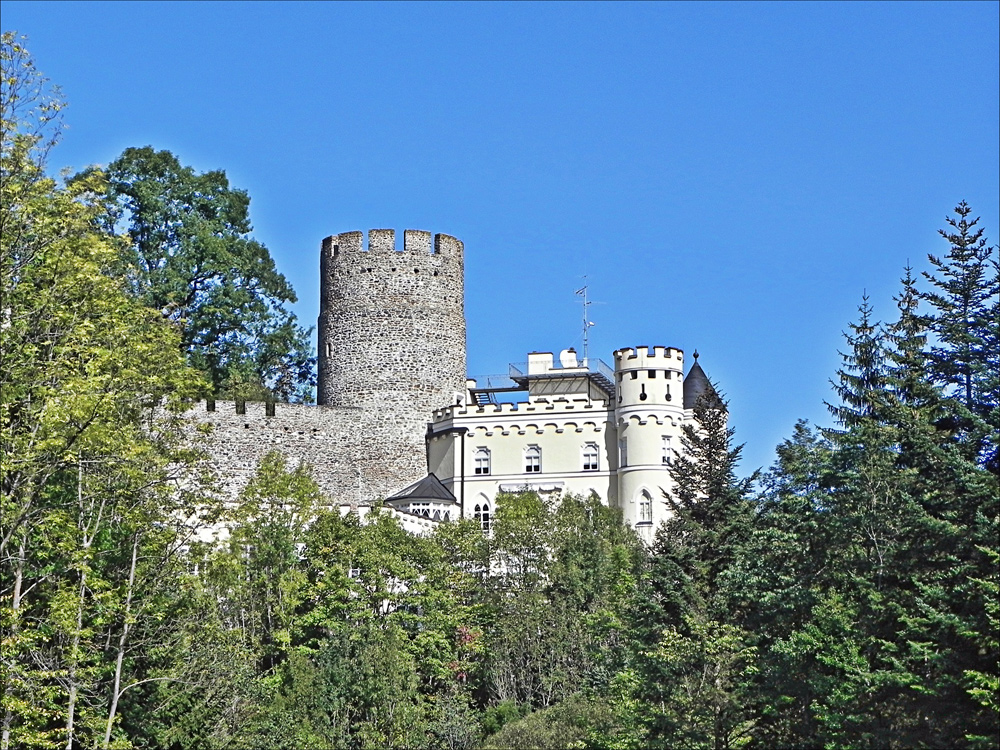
x,y
729,177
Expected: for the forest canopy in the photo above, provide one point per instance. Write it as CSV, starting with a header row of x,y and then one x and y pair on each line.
x,y
845,598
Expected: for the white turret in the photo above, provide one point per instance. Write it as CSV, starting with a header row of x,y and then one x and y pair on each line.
x,y
648,413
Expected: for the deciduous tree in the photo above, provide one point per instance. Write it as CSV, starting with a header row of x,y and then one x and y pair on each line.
x,y
193,258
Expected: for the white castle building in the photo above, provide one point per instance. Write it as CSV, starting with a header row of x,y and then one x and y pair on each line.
x,y
584,428
395,408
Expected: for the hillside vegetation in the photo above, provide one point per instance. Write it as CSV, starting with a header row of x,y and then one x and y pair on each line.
x,y
846,598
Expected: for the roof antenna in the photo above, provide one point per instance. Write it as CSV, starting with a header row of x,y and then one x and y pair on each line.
x,y
587,323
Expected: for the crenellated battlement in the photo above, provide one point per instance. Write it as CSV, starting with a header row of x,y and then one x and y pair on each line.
x,y
391,328
540,406
415,242
638,356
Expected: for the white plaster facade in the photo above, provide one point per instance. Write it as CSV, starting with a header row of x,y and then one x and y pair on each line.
x,y
584,428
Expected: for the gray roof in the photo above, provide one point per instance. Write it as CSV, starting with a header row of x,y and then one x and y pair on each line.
x,y
695,384
428,488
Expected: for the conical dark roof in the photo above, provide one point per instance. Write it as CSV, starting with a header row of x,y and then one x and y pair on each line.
x,y
695,384
428,488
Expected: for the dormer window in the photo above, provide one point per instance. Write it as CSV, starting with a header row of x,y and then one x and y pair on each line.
x,y
532,460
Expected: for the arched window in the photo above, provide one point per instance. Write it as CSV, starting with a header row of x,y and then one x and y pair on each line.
x,y
590,457
645,508
532,459
481,461
482,515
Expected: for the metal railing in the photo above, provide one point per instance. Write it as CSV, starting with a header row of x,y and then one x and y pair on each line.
x,y
595,366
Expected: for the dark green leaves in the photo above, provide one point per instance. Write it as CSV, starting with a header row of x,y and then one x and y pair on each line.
x,y
192,258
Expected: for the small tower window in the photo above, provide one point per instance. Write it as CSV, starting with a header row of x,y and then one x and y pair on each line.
x,y
668,452
481,461
482,515
591,457
645,508
533,460
622,452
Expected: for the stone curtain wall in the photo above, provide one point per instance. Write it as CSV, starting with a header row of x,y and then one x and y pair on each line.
x,y
334,441
391,350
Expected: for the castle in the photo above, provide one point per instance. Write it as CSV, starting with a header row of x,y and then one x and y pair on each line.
x,y
398,421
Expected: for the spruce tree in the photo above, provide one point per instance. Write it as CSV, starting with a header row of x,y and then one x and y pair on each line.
x,y
781,575
965,357
684,619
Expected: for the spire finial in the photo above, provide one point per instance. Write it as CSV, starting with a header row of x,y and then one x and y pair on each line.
x,y
695,355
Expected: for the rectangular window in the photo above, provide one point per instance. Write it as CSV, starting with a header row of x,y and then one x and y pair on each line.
x,y
482,461
622,452
668,453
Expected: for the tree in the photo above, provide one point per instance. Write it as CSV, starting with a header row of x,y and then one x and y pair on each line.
x,y
91,440
780,576
877,589
692,658
966,355
564,571
192,258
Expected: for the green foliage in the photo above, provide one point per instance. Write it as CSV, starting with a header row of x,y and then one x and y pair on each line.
x,y
707,664
691,659
192,258
568,724
850,601
566,572
91,445
871,547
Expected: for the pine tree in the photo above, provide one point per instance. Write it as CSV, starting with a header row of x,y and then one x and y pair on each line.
x,y
781,575
693,658
906,513
965,357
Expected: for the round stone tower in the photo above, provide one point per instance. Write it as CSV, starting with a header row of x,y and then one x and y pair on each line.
x,y
391,342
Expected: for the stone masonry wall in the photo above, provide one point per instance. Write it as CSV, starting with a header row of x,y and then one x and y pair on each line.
x,y
392,334
331,440
391,350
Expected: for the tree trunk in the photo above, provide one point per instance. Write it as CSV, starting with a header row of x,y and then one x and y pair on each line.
x,y
71,672
8,715
122,640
